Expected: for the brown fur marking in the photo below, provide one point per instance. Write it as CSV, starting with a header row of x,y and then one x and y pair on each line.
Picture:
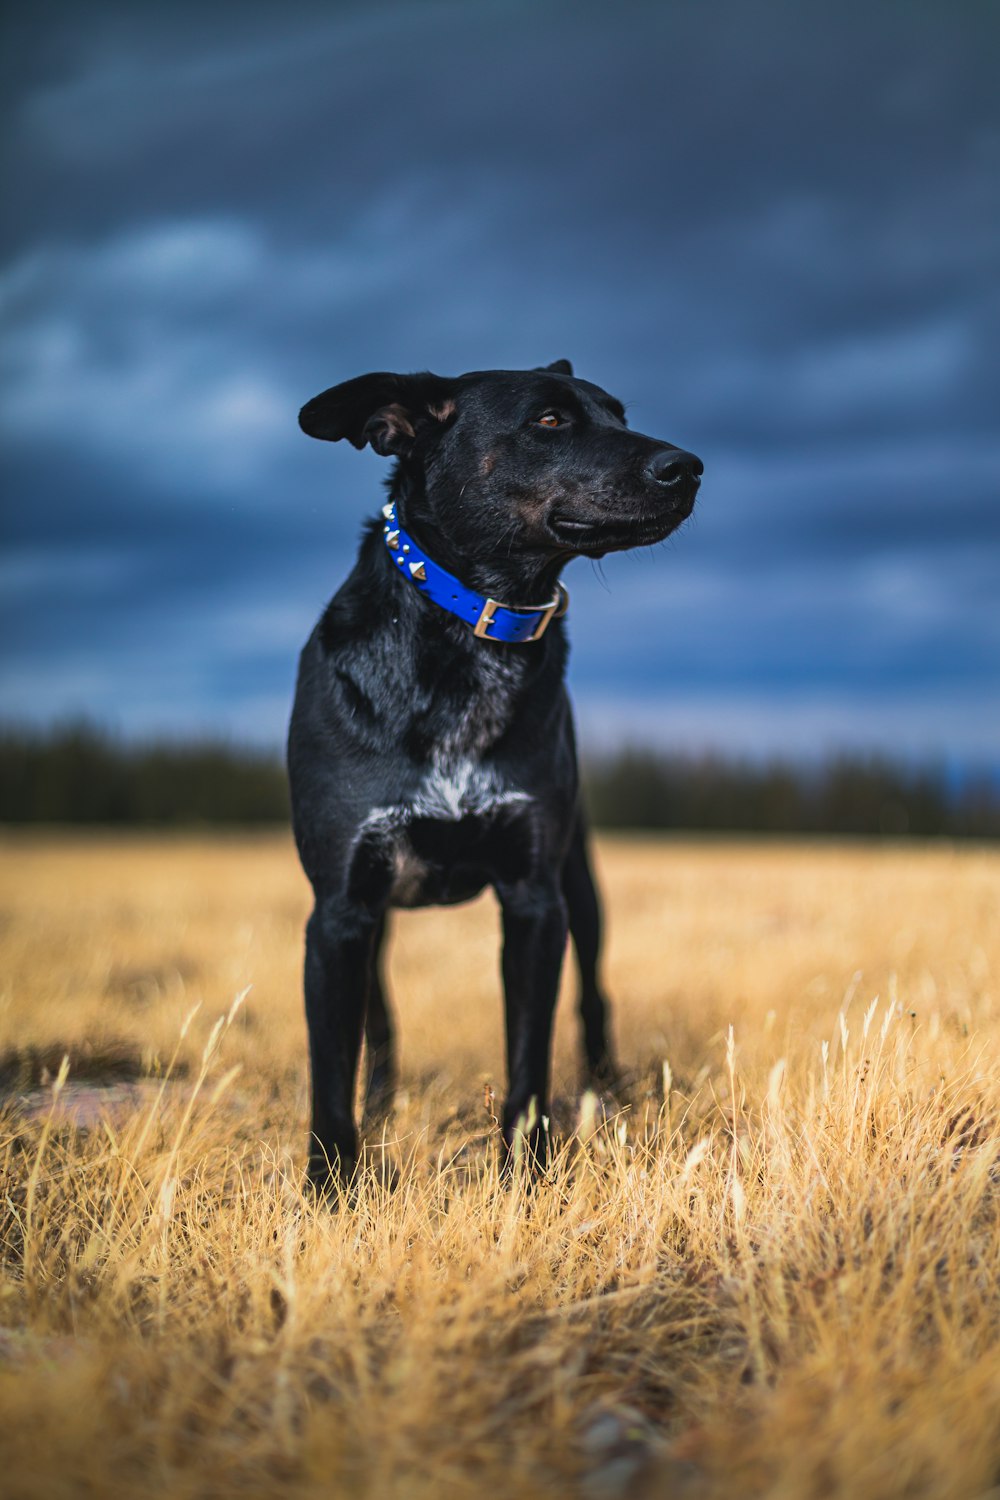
x,y
397,419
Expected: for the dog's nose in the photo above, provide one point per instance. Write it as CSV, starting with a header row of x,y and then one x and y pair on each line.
x,y
675,469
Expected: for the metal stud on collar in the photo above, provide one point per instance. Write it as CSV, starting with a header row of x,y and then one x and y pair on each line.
x,y
491,620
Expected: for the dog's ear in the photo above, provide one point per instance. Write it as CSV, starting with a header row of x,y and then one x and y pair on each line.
x,y
388,411
558,367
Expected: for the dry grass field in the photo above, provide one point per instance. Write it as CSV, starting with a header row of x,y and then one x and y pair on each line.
x,y
769,1267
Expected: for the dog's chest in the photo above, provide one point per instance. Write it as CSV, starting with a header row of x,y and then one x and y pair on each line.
x,y
448,842
440,840
460,778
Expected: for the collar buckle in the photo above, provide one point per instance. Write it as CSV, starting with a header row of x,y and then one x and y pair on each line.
x,y
555,608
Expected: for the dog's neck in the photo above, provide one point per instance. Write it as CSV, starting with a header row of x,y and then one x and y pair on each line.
x,y
523,578
455,695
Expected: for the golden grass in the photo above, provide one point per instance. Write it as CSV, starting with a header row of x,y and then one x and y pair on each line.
x,y
781,1279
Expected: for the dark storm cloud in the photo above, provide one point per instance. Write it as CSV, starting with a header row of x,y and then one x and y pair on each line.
x,y
773,230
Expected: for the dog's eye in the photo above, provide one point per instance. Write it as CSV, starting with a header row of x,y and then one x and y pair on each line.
x,y
550,419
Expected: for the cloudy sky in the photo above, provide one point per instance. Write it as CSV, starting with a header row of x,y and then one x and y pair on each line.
x,y
773,229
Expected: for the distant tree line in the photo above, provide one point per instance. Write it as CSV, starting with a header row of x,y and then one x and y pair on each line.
x,y
82,775
845,794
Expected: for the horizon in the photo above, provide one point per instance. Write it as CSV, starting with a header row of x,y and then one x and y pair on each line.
x,y
954,773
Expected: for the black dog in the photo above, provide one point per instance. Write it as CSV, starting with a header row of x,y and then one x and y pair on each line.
x,y
431,748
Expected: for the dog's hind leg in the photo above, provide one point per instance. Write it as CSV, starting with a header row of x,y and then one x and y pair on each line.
x,y
379,1037
584,913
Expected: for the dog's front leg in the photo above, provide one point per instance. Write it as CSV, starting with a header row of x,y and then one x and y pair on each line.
x,y
379,1037
534,927
340,939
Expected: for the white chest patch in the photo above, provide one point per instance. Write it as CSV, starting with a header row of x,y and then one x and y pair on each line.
x,y
457,789
450,790
456,783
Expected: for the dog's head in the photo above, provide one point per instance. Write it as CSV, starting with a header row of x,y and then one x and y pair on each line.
x,y
523,461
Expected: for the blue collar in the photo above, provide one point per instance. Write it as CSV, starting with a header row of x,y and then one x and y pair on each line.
x,y
511,623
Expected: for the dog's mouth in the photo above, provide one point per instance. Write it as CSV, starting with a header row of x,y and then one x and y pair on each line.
x,y
614,534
